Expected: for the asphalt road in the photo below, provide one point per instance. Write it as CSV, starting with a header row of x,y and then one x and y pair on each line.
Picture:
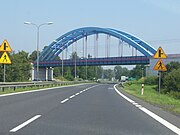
x,y
90,109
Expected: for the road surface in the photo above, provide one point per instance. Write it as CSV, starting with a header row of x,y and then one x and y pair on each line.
x,y
91,109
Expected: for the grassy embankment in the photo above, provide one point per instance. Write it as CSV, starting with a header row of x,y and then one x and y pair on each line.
x,y
151,96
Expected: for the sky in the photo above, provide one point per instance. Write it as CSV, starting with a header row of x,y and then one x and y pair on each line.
x,y
155,21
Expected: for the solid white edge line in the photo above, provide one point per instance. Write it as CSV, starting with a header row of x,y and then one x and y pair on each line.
x,y
135,103
153,115
25,123
65,100
139,106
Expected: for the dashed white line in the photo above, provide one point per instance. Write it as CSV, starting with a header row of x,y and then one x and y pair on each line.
x,y
65,100
151,114
72,96
77,94
25,123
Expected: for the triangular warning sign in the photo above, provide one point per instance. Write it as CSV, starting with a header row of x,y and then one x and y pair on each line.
x,y
160,66
160,54
5,47
5,59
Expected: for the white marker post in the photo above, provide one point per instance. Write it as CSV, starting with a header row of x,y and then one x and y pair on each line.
x,y
142,89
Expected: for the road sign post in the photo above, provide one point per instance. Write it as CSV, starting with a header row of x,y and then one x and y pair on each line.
x,y
159,74
160,66
4,78
4,59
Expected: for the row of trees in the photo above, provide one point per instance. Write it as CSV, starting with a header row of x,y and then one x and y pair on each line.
x,y
21,66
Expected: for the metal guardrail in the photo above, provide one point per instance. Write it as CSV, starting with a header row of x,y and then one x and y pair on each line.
x,y
14,85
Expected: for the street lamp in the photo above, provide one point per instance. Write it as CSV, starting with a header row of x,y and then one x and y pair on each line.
x,y
38,27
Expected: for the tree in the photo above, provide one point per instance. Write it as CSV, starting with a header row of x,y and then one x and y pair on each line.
x,y
108,74
171,81
33,56
67,74
172,65
138,71
170,68
119,71
20,68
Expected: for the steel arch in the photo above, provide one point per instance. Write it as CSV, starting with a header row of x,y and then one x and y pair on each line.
x,y
58,45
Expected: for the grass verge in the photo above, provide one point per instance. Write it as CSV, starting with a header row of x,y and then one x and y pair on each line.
x,y
7,91
153,97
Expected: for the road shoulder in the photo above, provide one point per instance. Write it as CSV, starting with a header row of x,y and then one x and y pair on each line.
x,y
159,111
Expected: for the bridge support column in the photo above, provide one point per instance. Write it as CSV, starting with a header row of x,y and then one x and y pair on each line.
x,y
50,74
42,74
32,74
46,74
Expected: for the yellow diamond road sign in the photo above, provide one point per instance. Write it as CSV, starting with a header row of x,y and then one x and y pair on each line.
x,y
160,54
5,59
160,66
5,47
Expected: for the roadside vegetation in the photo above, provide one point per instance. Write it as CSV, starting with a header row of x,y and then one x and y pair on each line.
x,y
168,98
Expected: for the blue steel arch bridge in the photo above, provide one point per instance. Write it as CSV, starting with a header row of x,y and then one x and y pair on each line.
x,y
140,53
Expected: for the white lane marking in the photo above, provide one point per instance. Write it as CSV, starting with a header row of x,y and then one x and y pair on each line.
x,y
77,94
153,115
31,91
135,103
72,96
161,120
139,106
65,100
25,123
128,99
81,92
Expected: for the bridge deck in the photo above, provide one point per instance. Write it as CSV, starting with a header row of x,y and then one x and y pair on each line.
x,y
132,60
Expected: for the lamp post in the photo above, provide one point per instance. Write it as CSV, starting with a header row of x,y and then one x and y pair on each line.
x,y
62,63
38,27
142,72
75,70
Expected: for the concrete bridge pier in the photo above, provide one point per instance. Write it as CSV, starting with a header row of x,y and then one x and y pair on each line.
x,y
45,74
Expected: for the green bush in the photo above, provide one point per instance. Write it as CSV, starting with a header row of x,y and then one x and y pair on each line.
x,y
171,81
151,80
174,94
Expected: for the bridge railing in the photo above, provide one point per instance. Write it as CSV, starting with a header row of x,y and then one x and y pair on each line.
x,y
36,85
